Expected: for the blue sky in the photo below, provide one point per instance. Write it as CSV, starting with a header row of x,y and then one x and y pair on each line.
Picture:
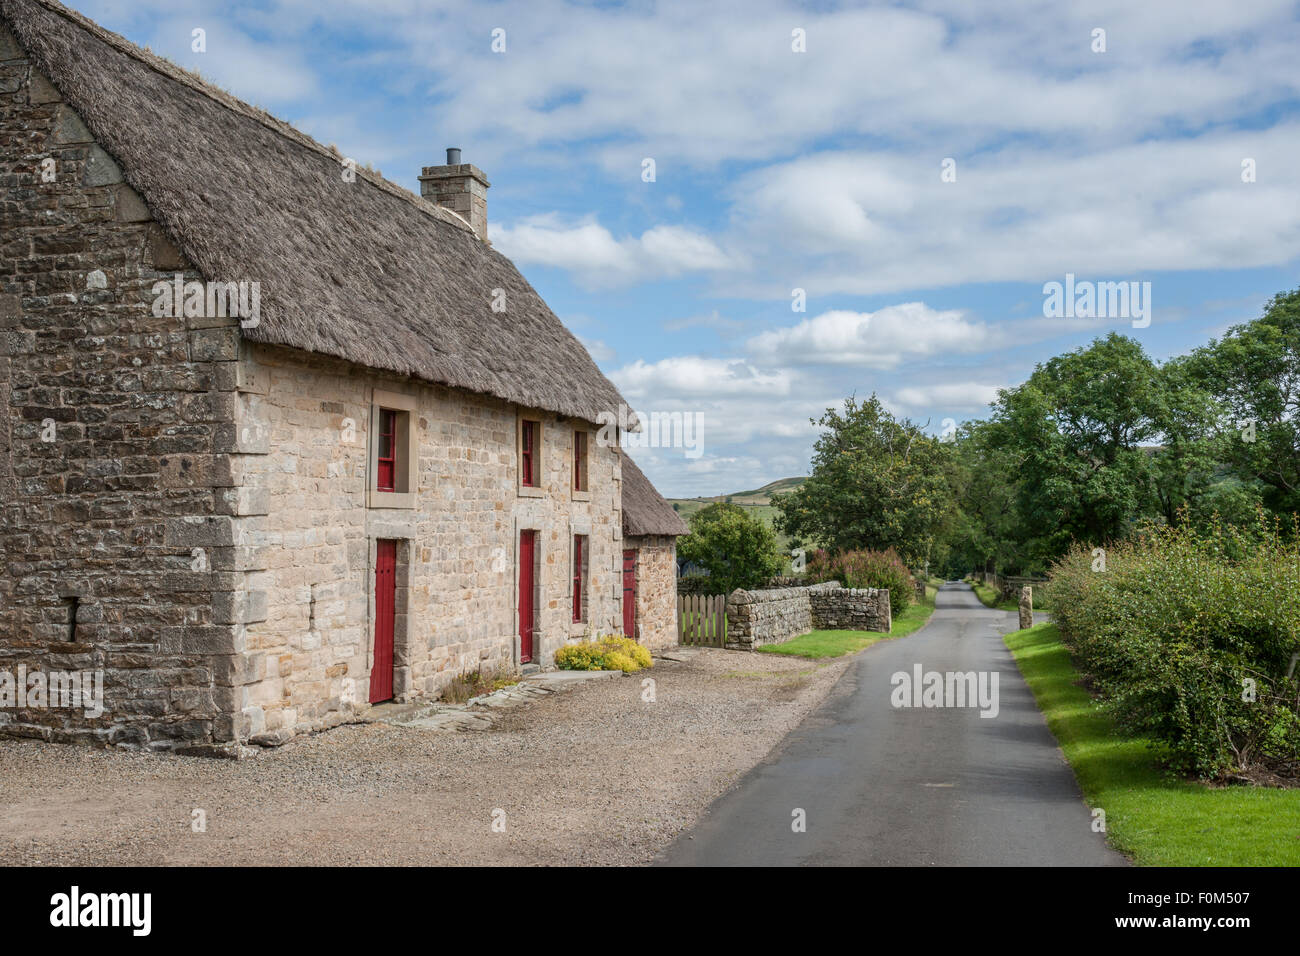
x,y
818,170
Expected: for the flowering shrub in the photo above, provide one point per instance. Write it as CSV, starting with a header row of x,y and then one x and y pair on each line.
x,y
613,652
866,569
1190,637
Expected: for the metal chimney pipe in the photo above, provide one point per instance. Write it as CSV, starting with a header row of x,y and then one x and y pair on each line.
x,y
453,156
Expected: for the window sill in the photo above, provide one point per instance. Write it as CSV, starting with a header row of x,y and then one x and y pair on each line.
x,y
531,491
582,496
391,499
577,629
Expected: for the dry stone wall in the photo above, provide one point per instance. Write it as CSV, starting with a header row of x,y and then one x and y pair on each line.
x,y
770,616
766,617
851,609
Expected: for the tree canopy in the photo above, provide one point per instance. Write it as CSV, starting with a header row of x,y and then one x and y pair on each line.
x,y
738,550
877,482
1095,443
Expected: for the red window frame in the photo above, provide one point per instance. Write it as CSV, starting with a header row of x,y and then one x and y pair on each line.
x,y
577,578
386,475
528,454
579,460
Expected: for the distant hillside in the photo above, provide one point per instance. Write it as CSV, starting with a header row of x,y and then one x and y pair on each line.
x,y
758,501
779,487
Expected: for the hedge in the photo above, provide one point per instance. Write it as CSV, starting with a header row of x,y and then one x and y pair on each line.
x,y
1192,639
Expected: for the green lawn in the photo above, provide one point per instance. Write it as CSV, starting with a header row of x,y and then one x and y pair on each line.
x,y
821,644
1153,816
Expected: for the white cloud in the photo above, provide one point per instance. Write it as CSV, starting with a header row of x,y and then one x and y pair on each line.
x,y
945,398
695,85
1119,162
881,221
692,376
264,73
591,251
881,339
597,349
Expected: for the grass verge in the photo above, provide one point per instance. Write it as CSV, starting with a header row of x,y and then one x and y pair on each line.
x,y
915,616
1155,817
818,645
990,598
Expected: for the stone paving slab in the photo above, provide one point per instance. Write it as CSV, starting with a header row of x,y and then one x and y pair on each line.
x,y
560,679
682,653
479,712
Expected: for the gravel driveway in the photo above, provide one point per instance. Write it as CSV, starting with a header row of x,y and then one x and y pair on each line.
x,y
590,776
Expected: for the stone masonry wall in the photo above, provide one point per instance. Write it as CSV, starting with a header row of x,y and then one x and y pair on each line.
x,y
851,609
117,502
656,584
309,661
771,616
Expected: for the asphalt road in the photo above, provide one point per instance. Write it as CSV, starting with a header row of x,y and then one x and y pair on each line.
x,y
910,786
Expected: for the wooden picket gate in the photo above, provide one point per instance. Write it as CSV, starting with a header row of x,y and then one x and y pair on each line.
x,y
702,619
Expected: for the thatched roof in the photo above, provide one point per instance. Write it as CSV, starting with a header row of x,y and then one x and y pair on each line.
x,y
644,510
363,271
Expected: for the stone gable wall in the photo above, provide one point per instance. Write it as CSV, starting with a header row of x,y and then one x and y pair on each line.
x,y
656,583
126,518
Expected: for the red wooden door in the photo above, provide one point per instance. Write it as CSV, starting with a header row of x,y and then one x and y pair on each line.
x,y
381,675
527,607
629,593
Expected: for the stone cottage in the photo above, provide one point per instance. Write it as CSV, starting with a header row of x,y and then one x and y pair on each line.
x,y
278,439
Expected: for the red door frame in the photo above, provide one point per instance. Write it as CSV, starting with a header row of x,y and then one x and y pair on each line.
x,y
527,599
381,673
629,593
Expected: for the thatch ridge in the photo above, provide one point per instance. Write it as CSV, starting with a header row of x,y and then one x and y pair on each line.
x,y
364,271
645,511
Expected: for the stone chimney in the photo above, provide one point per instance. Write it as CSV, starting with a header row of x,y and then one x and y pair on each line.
x,y
460,187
